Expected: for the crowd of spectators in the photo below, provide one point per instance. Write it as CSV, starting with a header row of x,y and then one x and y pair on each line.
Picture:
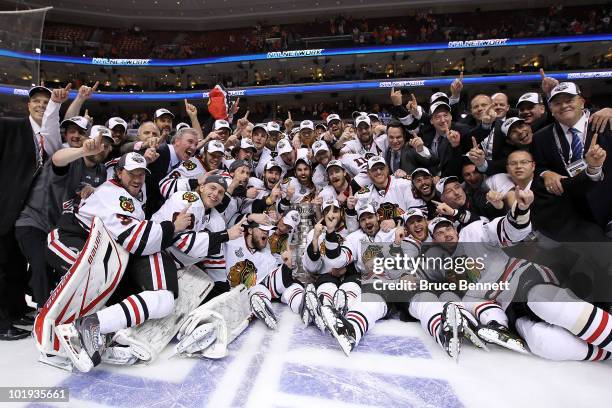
x,y
341,30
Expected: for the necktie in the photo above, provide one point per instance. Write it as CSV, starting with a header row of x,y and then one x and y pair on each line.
x,y
577,146
42,155
434,144
396,161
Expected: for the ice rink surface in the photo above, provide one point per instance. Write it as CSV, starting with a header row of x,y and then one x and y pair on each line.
x,y
396,365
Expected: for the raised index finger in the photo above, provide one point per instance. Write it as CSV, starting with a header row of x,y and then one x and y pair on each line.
x,y
95,87
461,76
474,143
68,87
594,141
184,210
542,74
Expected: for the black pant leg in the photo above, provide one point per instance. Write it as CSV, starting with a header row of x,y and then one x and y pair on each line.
x,y
13,280
33,243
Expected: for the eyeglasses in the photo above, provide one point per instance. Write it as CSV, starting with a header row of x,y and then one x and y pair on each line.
x,y
521,162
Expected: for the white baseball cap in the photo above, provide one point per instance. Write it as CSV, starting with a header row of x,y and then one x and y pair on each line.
x,y
443,181
271,164
564,88
318,146
321,125
373,116
182,125
273,127
222,124
306,124
161,112
438,96
365,209
37,89
505,127
292,218
374,160
261,126
283,146
78,121
437,105
331,117
532,97
96,130
132,161
246,143
437,221
414,212
329,203
362,119
333,163
215,146
418,170
116,121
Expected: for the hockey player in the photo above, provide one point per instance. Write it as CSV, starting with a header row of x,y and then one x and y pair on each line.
x,y
365,142
300,188
391,197
152,273
263,155
281,237
249,261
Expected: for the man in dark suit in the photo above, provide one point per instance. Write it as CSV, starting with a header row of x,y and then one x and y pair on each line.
x,y
532,110
447,140
162,160
403,157
22,154
559,150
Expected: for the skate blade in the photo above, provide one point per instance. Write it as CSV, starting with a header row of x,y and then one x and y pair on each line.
x,y
493,337
330,319
259,309
80,359
454,322
315,310
473,338
60,362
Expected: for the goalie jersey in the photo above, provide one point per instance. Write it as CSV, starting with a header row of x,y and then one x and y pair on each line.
x,y
247,267
124,218
198,243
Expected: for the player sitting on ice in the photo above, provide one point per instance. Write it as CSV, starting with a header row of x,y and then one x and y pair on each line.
x,y
439,314
249,261
150,276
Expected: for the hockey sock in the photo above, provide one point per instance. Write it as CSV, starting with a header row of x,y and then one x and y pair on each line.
x,y
293,296
261,291
325,292
363,315
556,343
487,311
136,309
427,308
563,308
352,290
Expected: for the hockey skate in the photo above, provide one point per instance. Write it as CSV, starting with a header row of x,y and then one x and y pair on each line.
x,y
118,354
499,334
451,330
340,328
313,305
198,340
262,311
470,330
341,301
82,341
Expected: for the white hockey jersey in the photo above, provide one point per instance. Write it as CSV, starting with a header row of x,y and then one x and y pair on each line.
x,y
244,266
198,243
124,218
392,202
319,262
377,148
358,244
302,193
266,156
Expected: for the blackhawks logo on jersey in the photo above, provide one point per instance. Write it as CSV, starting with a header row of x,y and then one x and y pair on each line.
x,y
126,204
243,272
278,243
190,197
286,180
371,252
364,190
389,211
323,248
189,165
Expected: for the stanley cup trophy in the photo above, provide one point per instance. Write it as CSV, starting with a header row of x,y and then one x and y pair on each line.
x,y
299,239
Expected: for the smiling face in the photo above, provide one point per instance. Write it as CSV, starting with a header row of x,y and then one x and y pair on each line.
x,y
303,173
259,138
118,133
530,112
479,106
441,120
395,137
211,194
500,105
37,105
101,157
520,166
364,133
257,238
336,128
164,122
520,135
369,224
417,227
567,109
323,157
271,177
307,136
453,195
379,174
337,177
74,136
447,235
214,160
185,144
423,183
331,214
132,180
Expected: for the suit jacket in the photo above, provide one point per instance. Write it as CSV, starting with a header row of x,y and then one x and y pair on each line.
x,y
450,159
547,157
159,170
410,159
17,168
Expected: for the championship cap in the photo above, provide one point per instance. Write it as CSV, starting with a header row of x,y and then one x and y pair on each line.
x,y
283,146
319,146
365,209
272,164
414,212
306,124
418,171
222,124
117,121
78,121
132,161
182,125
332,163
215,146
273,127
332,117
263,227
261,126
532,97
292,218
438,96
437,221
443,182
95,130
238,163
569,88
218,179
508,123
437,105
373,116
39,89
362,119
330,203
161,112
321,125
374,160
246,144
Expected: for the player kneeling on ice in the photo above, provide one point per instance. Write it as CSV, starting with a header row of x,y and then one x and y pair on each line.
x,y
150,273
249,261
440,315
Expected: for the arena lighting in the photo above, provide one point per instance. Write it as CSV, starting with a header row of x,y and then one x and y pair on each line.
x,y
331,87
495,42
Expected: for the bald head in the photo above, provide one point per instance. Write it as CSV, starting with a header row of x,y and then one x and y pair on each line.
x,y
147,130
500,104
